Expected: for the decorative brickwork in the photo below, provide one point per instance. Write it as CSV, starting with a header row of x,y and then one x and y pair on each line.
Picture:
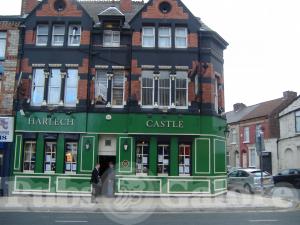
x,y
136,39
49,10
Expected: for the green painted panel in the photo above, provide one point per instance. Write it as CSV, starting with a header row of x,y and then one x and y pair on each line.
x,y
174,168
57,122
60,154
73,184
40,150
220,184
188,186
32,183
220,156
88,149
126,158
153,157
139,185
201,156
18,152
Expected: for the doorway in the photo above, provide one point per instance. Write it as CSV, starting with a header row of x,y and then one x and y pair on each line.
x,y
104,161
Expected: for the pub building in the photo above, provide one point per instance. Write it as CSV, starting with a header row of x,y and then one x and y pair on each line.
x,y
139,84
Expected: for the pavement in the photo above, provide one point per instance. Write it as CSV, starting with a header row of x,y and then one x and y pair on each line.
x,y
232,201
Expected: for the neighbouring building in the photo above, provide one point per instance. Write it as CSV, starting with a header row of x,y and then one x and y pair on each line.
x,y
289,141
139,84
9,44
246,123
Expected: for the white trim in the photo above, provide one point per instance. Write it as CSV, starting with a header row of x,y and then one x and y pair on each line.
x,y
190,180
46,131
20,151
47,177
81,150
75,178
220,189
225,152
131,153
49,194
154,36
52,174
209,156
139,179
136,176
174,195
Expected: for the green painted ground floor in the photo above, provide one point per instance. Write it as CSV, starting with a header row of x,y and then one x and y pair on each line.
x,y
154,155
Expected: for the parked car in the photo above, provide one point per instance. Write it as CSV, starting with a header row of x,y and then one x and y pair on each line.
x,y
288,178
249,181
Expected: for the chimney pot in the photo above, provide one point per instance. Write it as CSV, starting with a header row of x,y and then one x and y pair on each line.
x,y
289,94
239,106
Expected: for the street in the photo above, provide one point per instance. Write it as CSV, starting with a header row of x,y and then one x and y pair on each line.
x,y
195,218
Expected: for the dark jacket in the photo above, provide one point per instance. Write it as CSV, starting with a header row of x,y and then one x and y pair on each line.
x,y
95,176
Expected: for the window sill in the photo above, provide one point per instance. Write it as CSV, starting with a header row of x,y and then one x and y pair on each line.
x,y
246,142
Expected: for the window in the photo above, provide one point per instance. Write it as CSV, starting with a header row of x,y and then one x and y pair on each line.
x,y
181,89
252,157
42,35
50,156
181,40
101,86
38,85
54,87
71,88
242,173
148,37
258,130
142,157
164,89
111,38
163,159
164,37
118,89
71,157
246,135
58,35
184,159
74,35
298,122
233,136
107,142
29,156
2,44
217,94
147,88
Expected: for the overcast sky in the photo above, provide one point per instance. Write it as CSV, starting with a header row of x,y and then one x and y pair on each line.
x,y
264,38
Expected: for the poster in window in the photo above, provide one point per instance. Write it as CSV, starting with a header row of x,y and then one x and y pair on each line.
x,y
74,166
48,158
145,160
187,170
187,162
180,169
68,166
160,158
139,167
166,161
48,167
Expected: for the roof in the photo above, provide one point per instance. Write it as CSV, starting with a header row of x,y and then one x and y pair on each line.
x,y
236,116
111,11
11,18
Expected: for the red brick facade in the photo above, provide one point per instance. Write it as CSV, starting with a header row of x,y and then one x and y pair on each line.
x,y
49,10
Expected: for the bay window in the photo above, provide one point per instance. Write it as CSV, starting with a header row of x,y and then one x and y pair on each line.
x,y
29,156
164,37
181,89
147,88
101,86
164,89
184,160
298,122
42,35
54,87
58,35
181,37
71,88
71,157
142,158
38,85
2,44
74,35
148,37
50,156
118,89
163,159
111,38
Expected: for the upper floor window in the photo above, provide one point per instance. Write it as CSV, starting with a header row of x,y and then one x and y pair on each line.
x,y
164,88
38,85
147,88
2,45
181,40
42,35
54,87
101,86
148,37
258,130
298,122
217,84
181,89
233,136
164,37
246,135
71,87
74,35
58,35
118,89
111,38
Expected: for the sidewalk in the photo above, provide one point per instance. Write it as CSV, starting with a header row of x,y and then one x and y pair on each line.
x,y
229,202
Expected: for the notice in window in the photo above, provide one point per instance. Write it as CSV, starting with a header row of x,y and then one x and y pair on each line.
x,y
139,167
48,167
166,161
180,169
160,158
145,160
187,170
68,166
187,162
74,166
48,158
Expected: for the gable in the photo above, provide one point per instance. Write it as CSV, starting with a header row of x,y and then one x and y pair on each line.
x,y
295,105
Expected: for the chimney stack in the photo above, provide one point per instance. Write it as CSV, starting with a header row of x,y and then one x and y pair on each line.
x,y
28,6
238,106
126,5
289,94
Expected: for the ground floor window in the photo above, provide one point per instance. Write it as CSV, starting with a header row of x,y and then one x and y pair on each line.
x,y
252,157
142,158
29,156
50,156
163,159
184,160
71,157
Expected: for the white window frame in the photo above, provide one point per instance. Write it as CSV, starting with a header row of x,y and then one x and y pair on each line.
x,y
180,36
217,78
165,36
252,157
71,171
56,86
233,136
112,34
73,104
31,153
149,36
33,86
38,34
97,83
170,92
185,157
148,74
246,134
142,155
163,164
297,120
71,35
61,35
120,73
180,75
3,37
53,151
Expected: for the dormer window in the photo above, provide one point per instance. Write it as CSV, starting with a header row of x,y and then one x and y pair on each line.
x,y
111,38
74,35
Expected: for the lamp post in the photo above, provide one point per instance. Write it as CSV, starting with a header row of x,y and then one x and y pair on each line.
x,y
260,147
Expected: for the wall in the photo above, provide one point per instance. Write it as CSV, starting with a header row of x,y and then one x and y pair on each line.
x,y
291,160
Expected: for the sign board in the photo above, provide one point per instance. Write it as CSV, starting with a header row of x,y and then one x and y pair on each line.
x,y
6,129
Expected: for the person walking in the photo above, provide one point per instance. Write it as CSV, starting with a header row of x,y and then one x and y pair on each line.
x,y
96,183
109,181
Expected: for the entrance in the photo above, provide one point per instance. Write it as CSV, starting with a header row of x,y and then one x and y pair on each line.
x,y
104,162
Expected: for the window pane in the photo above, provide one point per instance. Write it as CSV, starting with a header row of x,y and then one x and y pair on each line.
x,y
101,86
71,87
42,29
54,87
164,89
42,40
58,30
117,95
50,156
72,78
2,44
148,37
29,156
181,42
164,42
148,42
181,89
37,94
149,31
58,40
164,31
71,157
181,32
297,122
